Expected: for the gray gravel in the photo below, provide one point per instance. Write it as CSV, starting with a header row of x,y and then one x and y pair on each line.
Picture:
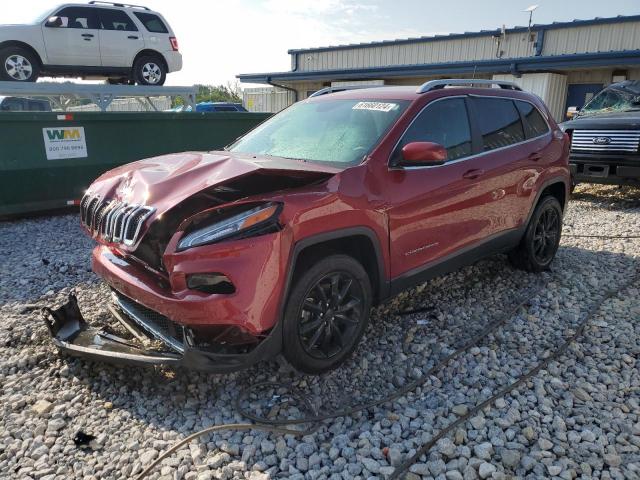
x,y
579,418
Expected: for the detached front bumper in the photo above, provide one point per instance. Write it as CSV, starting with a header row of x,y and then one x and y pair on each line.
x,y
152,343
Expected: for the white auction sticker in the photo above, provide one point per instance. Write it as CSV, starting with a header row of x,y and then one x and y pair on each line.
x,y
377,106
64,142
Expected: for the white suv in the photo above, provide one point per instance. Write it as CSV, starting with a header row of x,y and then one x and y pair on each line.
x,y
123,43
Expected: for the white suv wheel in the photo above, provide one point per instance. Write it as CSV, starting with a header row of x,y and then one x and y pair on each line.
x,y
152,73
18,67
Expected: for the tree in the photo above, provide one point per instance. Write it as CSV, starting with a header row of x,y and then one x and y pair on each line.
x,y
220,93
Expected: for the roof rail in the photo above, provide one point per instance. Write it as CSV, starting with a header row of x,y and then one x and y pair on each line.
x,y
117,4
327,90
437,84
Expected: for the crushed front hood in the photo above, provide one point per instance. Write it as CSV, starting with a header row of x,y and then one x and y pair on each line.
x,y
163,182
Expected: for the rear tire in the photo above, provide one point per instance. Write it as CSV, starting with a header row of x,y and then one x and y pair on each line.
x,y
540,243
326,314
18,64
149,70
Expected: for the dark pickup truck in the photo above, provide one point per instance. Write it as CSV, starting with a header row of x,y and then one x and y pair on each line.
x,y
605,137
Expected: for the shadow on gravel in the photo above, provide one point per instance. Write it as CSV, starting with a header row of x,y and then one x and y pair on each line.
x,y
610,197
396,348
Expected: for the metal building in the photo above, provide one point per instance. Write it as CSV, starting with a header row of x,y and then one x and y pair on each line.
x,y
565,63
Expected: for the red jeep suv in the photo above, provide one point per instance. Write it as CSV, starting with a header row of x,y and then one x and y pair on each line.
x,y
284,241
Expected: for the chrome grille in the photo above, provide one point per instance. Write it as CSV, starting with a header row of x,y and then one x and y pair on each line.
x,y
157,325
114,221
605,140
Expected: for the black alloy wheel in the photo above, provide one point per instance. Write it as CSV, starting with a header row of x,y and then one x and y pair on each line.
x,y
327,312
330,315
538,247
545,235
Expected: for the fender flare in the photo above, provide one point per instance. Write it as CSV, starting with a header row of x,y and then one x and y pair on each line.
x,y
18,43
317,239
547,183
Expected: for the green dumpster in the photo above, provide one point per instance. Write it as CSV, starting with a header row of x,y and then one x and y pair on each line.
x,y
47,160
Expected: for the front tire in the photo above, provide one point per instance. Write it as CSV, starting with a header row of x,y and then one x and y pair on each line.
x,y
540,243
326,314
149,70
18,64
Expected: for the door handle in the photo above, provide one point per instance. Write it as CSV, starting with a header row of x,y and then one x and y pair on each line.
x,y
87,35
471,174
534,157
132,37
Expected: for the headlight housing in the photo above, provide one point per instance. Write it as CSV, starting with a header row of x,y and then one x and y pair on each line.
x,y
252,221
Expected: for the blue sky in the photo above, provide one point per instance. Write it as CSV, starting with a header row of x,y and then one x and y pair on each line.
x,y
222,38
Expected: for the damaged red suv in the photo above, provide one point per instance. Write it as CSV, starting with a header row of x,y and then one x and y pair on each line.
x,y
285,240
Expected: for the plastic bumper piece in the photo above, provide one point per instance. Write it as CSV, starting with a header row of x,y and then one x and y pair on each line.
x,y
74,336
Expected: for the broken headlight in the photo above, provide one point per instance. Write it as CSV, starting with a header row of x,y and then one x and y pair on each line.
x,y
254,220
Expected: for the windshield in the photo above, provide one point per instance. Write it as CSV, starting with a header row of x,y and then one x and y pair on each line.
x,y
612,100
328,131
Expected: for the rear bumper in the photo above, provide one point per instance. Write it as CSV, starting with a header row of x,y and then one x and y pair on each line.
x,y
74,336
605,169
174,60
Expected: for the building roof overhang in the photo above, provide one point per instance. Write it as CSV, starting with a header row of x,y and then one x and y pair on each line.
x,y
514,66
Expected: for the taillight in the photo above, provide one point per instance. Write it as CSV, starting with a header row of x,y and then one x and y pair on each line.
x,y
174,43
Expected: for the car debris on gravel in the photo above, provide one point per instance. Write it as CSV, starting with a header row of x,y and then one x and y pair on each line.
x,y
578,418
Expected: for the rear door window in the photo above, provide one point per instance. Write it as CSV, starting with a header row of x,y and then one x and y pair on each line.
x,y
116,20
534,123
445,122
151,22
499,122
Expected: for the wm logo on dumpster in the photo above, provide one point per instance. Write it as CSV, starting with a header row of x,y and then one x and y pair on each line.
x,y
64,142
63,134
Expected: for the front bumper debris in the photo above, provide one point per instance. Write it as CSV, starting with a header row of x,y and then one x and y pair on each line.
x,y
148,346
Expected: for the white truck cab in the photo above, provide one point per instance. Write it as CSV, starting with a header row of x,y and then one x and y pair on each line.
x,y
120,42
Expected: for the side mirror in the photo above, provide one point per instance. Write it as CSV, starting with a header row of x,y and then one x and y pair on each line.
x,y
54,22
423,153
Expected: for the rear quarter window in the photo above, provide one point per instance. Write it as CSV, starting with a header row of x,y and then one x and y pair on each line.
x,y
534,123
115,20
152,23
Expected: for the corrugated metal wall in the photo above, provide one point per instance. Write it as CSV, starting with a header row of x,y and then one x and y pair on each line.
x,y
268,99
560,41
550,87
593,38
478,48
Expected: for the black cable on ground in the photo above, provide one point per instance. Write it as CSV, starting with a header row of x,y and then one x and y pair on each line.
x,y
572,235
406,465
218,428
275,426
401,392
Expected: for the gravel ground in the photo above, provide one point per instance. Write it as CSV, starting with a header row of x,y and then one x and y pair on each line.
x,y
579,418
